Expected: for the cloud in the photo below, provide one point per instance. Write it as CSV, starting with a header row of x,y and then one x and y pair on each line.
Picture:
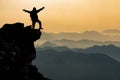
x,y
112,31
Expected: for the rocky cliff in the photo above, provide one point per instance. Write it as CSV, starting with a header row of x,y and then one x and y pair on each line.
x,y
17,52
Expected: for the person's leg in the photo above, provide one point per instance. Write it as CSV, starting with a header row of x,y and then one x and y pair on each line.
x,y
33,24
40,24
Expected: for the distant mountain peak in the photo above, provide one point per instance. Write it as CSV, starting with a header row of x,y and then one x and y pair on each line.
x,y
92,33
109,46
49,44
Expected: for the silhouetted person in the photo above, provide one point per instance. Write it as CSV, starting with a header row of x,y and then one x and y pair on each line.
x,y
34,16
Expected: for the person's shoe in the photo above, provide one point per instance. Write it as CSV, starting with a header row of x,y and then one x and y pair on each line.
x,y
40,28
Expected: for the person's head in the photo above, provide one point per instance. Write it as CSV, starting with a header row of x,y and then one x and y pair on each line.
x,y
34,8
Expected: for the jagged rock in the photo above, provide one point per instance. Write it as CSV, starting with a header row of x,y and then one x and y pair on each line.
x,y
17,52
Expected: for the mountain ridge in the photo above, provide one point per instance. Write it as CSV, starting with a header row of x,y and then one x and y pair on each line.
x,y
80,43
110,50
90,35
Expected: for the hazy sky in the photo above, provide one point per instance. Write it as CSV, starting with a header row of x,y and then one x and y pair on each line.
x,y
65,15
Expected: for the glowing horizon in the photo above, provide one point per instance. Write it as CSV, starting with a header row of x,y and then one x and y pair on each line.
x,y
65,15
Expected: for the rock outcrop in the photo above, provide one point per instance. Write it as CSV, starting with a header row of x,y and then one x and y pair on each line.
x,y
17,52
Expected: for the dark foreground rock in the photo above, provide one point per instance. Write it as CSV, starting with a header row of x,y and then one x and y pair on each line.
x,y
17,52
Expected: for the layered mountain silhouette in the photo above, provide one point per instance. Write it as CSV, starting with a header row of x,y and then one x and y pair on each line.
x,y
110,50
48,44
62,58
78,40
88,35
77,44
70,65
17,52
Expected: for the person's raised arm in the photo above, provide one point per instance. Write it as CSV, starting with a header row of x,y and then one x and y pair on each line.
x,y
40,9
26,11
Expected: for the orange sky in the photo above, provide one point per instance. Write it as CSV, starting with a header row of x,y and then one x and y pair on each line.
x,y
65,15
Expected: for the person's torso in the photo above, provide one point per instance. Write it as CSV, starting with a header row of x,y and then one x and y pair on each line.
x,y
34,15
